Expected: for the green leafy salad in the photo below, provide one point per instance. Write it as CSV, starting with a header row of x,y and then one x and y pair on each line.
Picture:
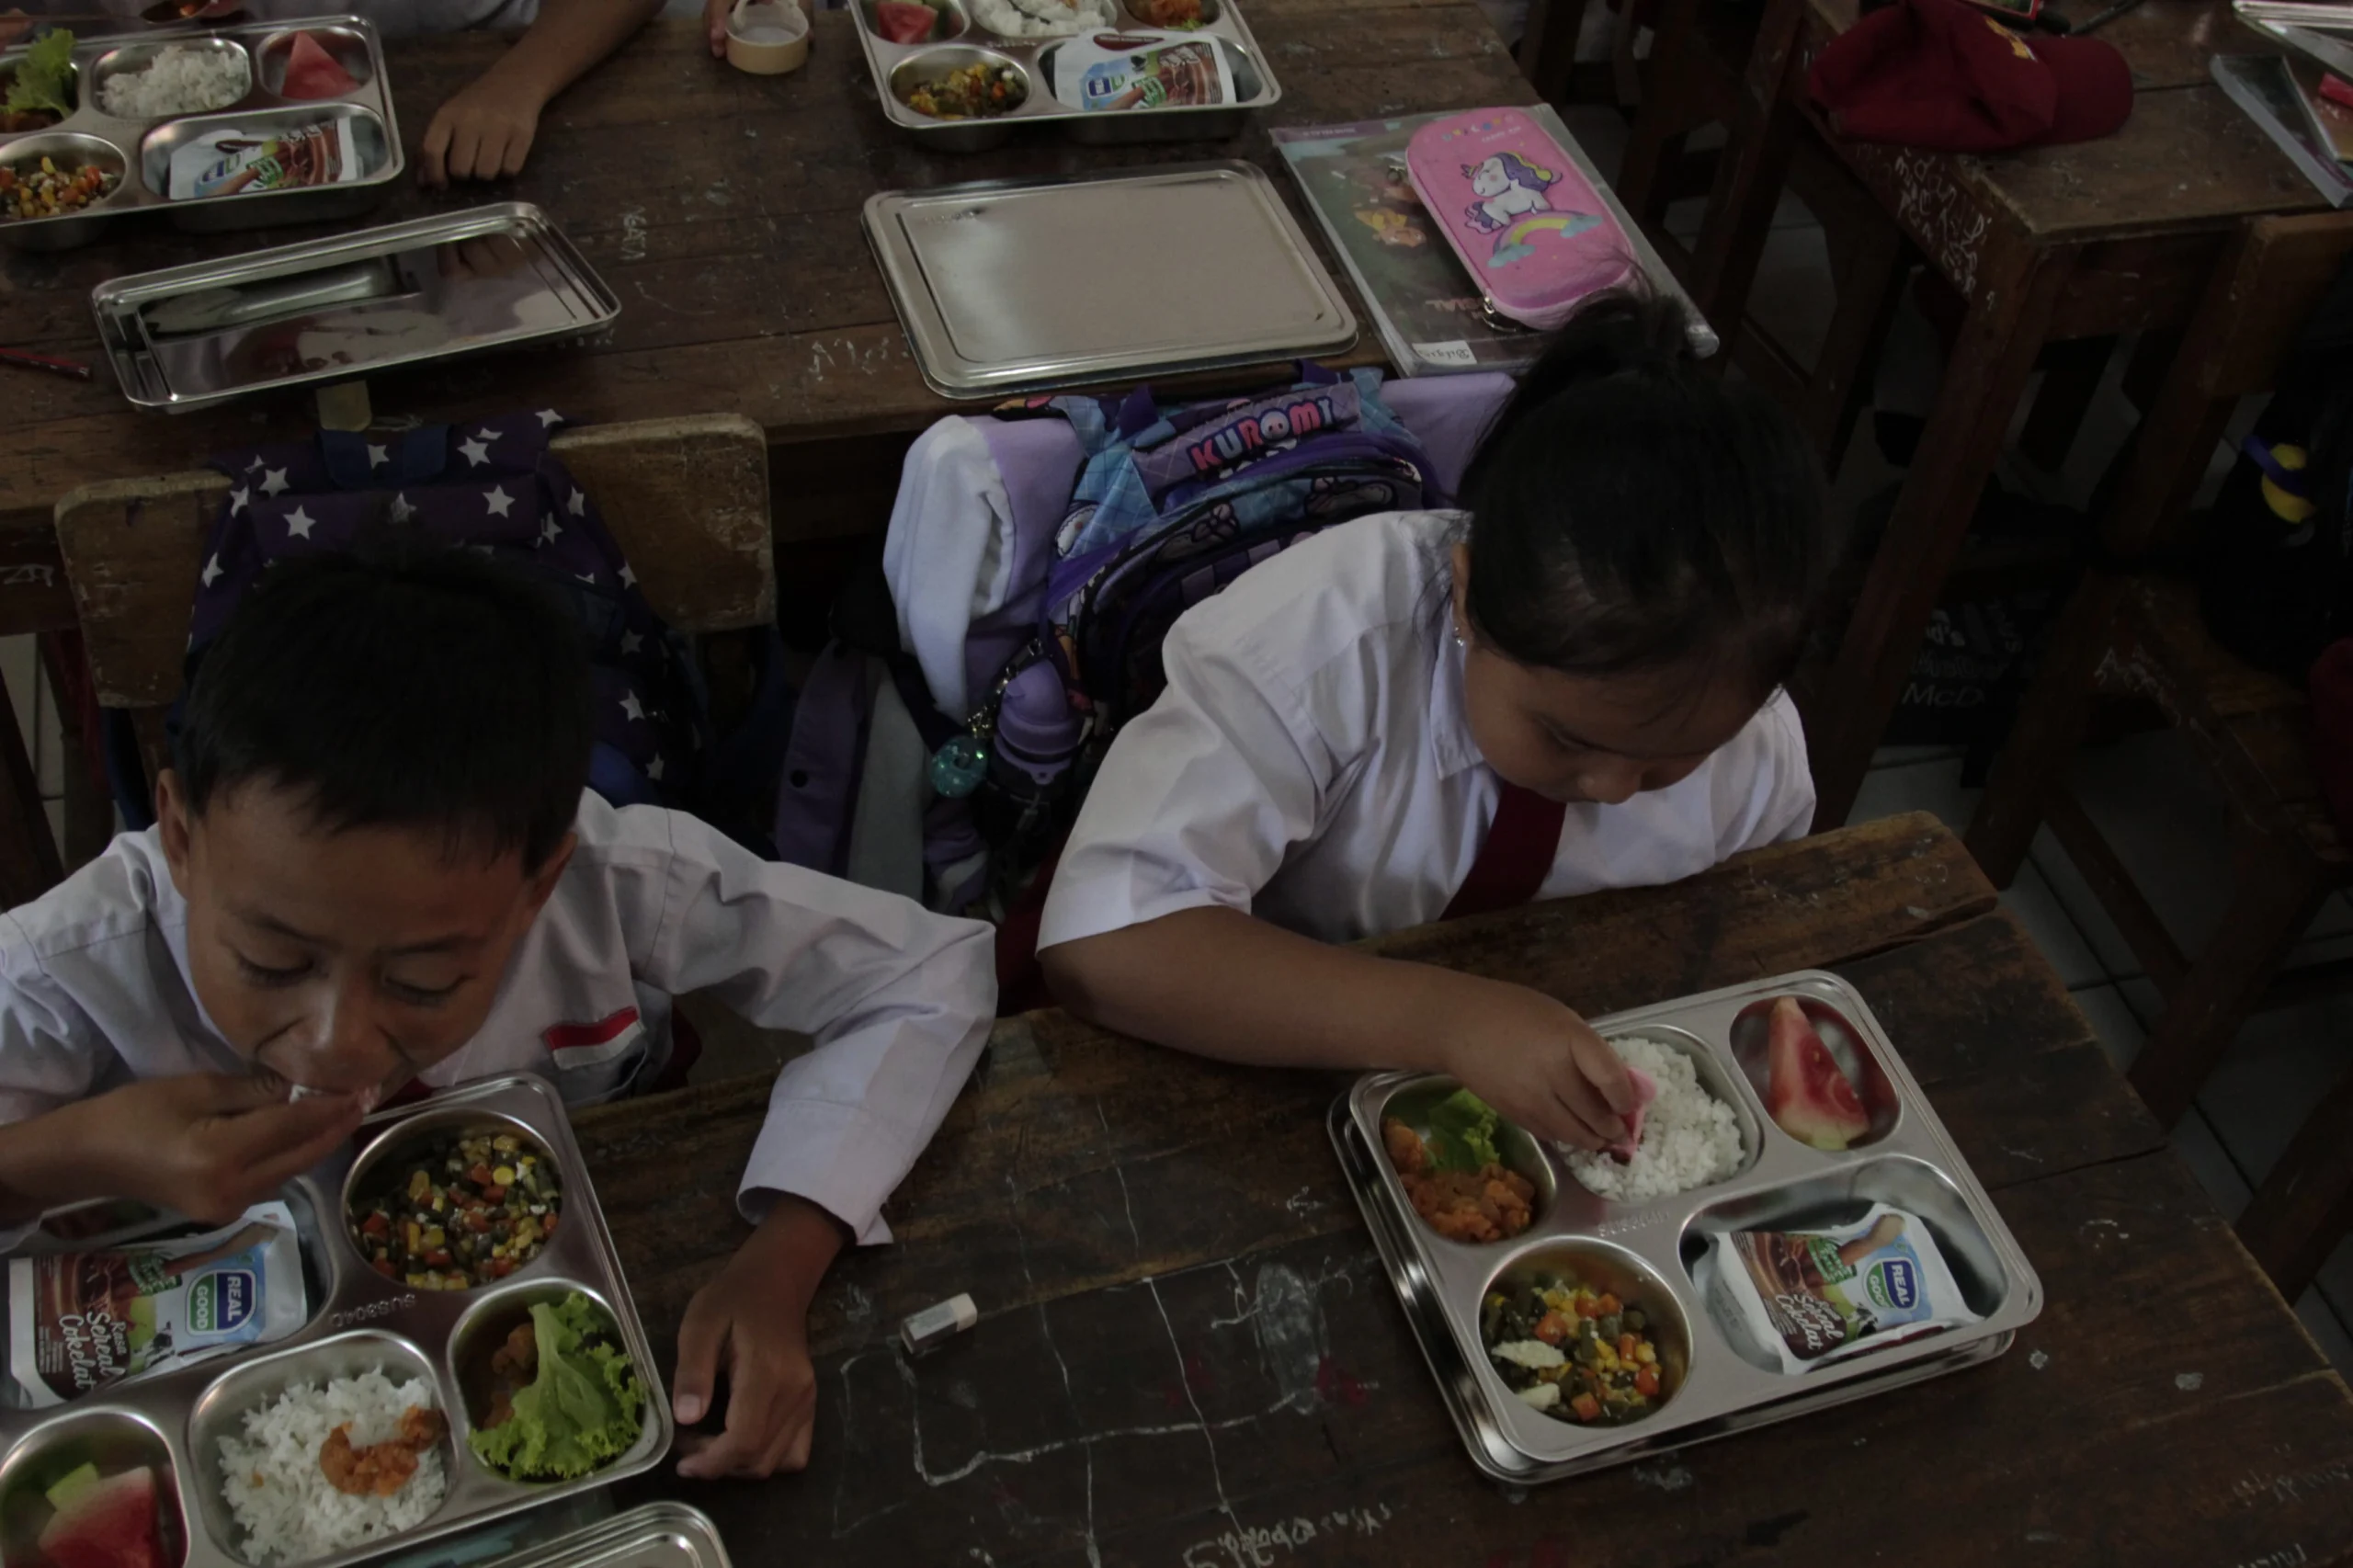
x,y
43,82
565,1398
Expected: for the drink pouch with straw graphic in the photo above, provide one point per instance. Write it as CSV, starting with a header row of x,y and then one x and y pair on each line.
x,y
79,1321
1124,71
229,162
1814,1297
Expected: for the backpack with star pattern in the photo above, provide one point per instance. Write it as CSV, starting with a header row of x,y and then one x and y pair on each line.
x,y
490,485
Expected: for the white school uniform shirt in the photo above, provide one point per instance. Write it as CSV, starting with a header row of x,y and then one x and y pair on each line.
x,y
95,992
1310,764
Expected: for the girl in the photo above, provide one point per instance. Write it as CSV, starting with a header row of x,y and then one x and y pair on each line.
x,y
1576,685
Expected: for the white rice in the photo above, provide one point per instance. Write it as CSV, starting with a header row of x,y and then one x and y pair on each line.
x,y
1689,1137
1040,19
177,81
288,1509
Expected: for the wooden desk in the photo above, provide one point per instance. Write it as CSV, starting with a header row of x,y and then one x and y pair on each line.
x,y
2085,240
724,209
1190,1357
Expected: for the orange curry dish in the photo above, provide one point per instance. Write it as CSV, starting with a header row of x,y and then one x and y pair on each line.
x,y
1492,1203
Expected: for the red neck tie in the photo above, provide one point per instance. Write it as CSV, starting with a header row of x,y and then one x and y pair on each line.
x,y
1512,863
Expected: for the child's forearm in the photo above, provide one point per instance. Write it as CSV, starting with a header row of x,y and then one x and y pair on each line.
x,y
31,1177
1219,982
796,1242
566,40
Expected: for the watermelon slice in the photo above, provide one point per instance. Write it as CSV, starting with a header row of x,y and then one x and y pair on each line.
x,y
106,1524
1805,1091
902,22
313,72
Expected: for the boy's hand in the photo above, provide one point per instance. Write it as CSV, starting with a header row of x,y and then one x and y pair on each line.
x,y
208,1145
1539,1065
754,1322
483,131
714,23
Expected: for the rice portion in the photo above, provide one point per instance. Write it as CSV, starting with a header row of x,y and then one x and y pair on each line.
x,y
1042,19
177,81
283,1501
1689,1137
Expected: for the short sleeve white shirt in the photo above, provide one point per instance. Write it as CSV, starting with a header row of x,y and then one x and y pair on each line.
x,y
1310,763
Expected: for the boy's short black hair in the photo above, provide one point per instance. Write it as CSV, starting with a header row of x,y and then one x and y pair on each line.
x,y
404,684
1632,510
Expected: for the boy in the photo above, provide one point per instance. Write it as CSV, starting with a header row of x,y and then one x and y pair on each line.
x,y
374,864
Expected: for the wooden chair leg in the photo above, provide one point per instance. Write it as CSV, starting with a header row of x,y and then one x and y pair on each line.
x,y
2070,375
2306,1205
1656,144
2043,736
1548,49
2276,891
89,808
1871,285
1999,340
29,863
1749,175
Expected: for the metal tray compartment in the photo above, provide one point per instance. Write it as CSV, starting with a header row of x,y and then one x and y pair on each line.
x,y
1011,285
373,299
960,40
140,150
1654,1254
360,1320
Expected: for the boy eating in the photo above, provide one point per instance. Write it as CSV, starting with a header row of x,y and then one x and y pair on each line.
x,y
375,864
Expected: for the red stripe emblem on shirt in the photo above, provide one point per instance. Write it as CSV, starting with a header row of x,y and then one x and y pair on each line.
x,y
583,1045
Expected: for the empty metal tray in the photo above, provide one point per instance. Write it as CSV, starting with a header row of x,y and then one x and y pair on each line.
x,y
327,310
1013,285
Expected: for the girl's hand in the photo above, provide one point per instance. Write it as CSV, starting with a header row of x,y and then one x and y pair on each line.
x,y
482,132
1539,1064
714,23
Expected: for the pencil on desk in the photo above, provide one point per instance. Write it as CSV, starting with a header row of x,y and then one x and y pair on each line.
x,y
80,372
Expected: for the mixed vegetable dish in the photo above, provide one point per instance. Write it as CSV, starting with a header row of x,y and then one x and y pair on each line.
x,y
969,92
48,190
1577,1354
462,1209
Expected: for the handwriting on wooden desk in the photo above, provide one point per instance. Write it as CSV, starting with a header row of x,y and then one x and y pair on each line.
x,y
1942,219
1256,1361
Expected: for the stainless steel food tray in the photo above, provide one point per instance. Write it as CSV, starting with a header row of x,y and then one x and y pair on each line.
x,y
372,300
656,1535
898,66
1654,1254
140,150
359,1320
1010,285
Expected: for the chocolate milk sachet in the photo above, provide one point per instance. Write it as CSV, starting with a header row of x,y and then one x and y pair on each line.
x,y
1814,1297
78,1320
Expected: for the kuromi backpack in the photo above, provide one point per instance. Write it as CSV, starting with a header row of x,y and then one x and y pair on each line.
x,y
1535,234
1035,561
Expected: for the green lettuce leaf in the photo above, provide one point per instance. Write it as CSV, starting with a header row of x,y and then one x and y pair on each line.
x,y
44,77
1462,1132
584,1408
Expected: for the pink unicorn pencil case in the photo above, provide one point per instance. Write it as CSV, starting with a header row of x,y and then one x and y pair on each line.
x,y
1536,236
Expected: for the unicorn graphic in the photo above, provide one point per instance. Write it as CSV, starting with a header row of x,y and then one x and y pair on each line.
x,y
1509,187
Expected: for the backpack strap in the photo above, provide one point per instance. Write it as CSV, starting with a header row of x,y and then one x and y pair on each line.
x,y
1519,848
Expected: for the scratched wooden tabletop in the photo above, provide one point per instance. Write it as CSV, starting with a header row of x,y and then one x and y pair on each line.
x,y
1188,1356
724,209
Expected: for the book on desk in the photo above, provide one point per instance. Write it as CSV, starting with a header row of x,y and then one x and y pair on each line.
x,y
2282,95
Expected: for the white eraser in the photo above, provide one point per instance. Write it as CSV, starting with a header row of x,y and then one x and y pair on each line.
x,y
938,1321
